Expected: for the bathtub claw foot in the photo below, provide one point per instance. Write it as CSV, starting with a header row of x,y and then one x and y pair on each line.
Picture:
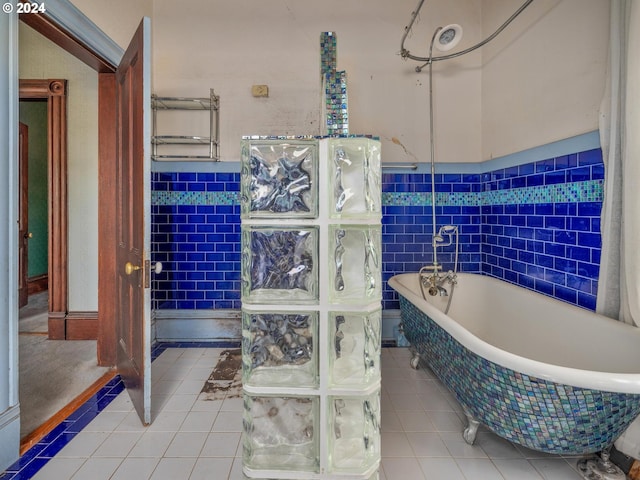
x,y
599,468
470,432
415,361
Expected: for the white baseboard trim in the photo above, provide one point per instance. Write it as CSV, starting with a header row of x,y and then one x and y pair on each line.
x,y
9,437
197,325
221,325
390,322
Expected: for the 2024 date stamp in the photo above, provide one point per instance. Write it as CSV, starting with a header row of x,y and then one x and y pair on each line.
x,y
24,7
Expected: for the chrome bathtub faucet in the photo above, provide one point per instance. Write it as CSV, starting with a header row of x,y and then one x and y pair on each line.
x,y
434,281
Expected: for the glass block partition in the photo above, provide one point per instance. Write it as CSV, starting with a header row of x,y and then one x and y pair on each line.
x,y
311,307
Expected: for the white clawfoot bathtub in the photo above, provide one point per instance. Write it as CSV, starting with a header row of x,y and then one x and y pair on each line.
x,y
535,370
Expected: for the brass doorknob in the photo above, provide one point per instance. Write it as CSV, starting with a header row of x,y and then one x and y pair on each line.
x,y
28,235
129,268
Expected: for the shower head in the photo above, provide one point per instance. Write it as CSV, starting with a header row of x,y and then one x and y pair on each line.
x,y
447,229
448,37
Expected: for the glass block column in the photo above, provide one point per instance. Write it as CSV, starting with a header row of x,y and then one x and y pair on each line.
x,y
311,293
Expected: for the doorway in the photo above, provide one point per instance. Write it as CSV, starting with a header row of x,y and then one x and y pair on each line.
x,y
52,93
33,230
108,92
66,27
54,372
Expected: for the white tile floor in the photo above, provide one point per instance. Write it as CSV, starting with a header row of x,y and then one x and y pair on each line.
x,y
196,437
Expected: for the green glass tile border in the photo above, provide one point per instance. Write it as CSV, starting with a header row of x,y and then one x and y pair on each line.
x,y
195,198
585,191
421,199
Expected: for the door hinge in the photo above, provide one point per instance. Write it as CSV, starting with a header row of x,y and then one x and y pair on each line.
x,y
147,274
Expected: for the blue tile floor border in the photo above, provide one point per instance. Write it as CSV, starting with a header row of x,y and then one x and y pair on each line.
x,y
37,456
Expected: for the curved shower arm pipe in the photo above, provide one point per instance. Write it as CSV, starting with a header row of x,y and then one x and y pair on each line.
x,y
404,53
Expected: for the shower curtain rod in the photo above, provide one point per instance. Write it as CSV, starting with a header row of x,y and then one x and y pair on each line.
x,y
404,53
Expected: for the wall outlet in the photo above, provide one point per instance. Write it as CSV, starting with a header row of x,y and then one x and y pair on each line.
x,y
260,90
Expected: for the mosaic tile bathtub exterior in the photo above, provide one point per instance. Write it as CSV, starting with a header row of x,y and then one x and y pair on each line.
x,y
536,225
532,412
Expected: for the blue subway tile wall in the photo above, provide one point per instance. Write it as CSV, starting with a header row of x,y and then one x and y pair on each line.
x,y
407,224
196,236
536,225
541,226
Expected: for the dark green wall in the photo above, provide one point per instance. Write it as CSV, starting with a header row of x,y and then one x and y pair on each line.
x,y
34,115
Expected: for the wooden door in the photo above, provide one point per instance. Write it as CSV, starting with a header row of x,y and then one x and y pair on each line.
x,y
23,222
133,211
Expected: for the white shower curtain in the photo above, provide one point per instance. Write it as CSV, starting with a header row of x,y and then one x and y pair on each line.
x,y
619,283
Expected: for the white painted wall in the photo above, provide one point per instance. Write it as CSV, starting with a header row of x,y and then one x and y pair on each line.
x,y
543,77
539,81
199,44
118,19
232,45
40,58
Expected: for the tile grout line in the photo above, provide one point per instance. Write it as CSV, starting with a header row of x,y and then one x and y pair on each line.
x,y
31,461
